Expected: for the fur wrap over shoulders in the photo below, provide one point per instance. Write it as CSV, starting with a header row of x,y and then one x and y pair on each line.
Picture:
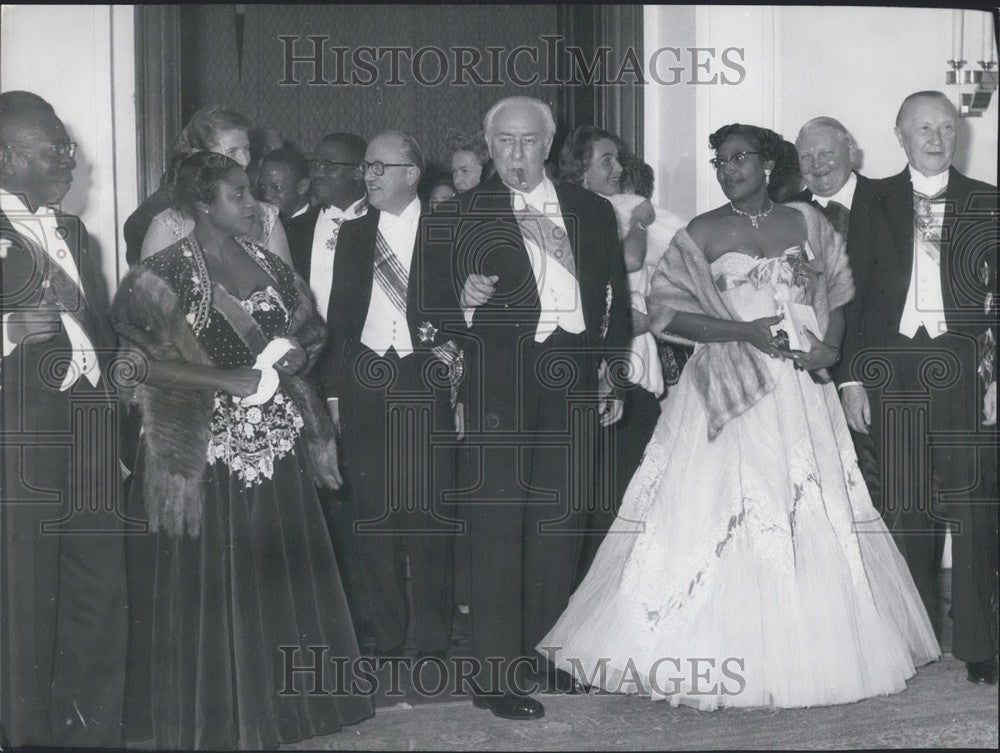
x,y
152,325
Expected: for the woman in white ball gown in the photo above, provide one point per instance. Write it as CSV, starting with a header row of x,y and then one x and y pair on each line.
x,y
747,565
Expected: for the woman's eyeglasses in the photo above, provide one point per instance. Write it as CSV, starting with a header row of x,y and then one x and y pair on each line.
x,y
737,159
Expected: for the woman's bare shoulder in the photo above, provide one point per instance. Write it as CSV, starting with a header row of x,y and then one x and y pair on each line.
x,y
703,227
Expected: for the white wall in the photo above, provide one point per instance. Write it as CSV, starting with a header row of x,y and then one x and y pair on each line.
x,y
670,132
893,52
81,59
855,64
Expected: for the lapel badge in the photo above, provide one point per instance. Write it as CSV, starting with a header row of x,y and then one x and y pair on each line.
x,y
427,332
984,273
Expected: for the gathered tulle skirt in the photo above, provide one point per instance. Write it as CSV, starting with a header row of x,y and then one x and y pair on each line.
x,y
750,570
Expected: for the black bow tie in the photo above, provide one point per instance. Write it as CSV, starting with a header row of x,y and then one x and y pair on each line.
x,y
838,214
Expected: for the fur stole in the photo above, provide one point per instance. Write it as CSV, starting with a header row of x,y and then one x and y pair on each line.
x,y
148,316
732,376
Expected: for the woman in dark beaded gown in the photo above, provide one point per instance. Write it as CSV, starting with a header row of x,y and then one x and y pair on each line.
x,y
245,575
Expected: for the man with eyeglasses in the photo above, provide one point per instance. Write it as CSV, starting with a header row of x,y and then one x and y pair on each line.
x,y
922,355
391,376
338,194
62,589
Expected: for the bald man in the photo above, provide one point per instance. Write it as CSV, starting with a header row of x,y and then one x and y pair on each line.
x,y
925,292
64,628
395,416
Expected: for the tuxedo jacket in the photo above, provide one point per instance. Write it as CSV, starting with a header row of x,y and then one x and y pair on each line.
x,y
480,234
38,483
861,235
882,259
862,206
28,275
350,296
300,231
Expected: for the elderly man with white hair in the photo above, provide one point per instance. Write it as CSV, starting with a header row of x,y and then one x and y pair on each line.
x,y
545,311
828,158
923,352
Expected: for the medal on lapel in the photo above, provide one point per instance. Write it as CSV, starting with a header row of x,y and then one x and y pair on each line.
x,y
606,319
427,332
986,278
987,362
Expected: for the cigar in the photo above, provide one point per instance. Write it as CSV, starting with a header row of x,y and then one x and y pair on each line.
x,y
519,174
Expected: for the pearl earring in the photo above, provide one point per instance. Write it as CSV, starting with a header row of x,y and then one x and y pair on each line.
x,y
767,175
585,183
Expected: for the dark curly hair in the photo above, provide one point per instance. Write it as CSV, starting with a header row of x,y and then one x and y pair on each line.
x,y
474,143
763,140
578,150
196,179
637,176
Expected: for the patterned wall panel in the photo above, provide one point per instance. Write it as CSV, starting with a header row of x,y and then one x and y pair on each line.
x,y
302,112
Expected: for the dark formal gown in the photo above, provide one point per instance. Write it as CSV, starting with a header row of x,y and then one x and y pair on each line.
x,y
260,576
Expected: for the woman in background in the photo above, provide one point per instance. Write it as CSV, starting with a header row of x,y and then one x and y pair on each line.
x,y
470,161
637,184
747,541
226,132
244,577
591,157
786,182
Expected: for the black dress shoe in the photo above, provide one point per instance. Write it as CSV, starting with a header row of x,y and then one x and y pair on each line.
x,y
982,672
510,706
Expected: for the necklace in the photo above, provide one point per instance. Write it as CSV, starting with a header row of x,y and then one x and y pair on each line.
x,y
754,218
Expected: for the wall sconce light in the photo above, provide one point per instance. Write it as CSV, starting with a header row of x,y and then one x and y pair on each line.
x,y
972,105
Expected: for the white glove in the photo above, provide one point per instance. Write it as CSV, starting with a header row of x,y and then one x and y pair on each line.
x,y
273,352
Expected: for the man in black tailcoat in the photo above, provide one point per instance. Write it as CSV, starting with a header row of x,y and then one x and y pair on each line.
x,y
338,192
540,275
388,378
827,156
63,622
919,351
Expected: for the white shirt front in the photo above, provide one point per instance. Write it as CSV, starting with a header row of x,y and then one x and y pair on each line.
x,y
42,228
844,195
558,290
385,325
924,300
324,248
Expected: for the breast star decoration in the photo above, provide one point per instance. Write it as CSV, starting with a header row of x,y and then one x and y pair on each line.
x,y
427,332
